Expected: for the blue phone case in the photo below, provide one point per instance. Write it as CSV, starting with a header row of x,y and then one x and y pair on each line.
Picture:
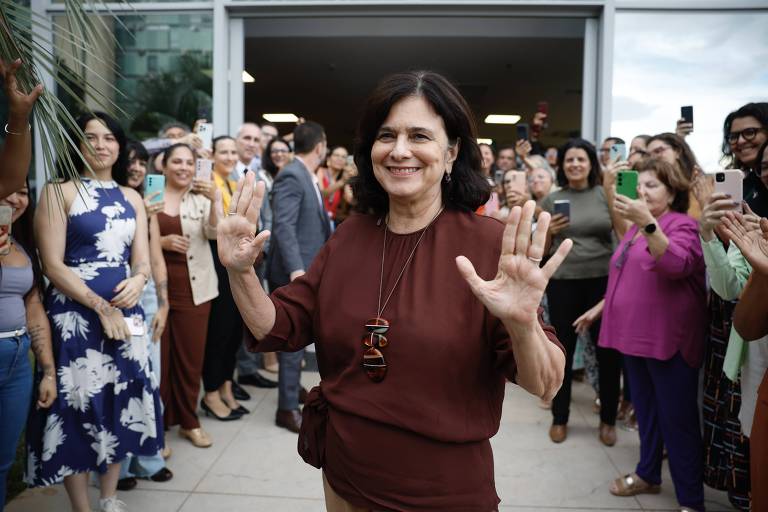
x,y
152,184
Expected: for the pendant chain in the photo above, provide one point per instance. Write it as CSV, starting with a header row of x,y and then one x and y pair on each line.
x,y
402,271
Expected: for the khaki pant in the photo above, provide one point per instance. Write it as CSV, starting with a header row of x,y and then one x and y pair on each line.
x,y
335,503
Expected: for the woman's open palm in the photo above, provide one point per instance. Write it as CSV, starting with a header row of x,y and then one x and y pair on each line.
x,y
239,246
515,293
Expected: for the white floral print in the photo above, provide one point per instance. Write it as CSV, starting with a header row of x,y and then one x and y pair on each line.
x,y
85,377
139,416
104,443
71,323
53,437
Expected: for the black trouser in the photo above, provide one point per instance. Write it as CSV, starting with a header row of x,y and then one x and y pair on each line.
x,y
225,332
568,300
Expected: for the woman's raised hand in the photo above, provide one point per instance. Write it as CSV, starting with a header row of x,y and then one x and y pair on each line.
x,y
239,246
515,293
751,241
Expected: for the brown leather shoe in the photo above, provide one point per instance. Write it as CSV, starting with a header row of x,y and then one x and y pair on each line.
x,y
289,419
303,393
607,434
558,433
197,437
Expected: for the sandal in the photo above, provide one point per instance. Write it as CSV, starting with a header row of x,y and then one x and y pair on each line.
x,y
631,485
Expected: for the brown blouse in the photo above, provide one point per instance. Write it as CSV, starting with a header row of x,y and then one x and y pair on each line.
x,y
418,440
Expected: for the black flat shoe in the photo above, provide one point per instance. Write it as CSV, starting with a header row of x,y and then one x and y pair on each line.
x,y
126,484
209,412
239,393
257,380
163,475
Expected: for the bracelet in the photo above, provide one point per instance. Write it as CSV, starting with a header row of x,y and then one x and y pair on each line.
x,y
142,274
50,377
9,132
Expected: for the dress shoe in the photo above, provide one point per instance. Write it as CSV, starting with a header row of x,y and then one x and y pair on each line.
x,y
255,379
242,411
239,393
303,395
209,412
607,434
558,433
289,419
126,484
163,475
197,436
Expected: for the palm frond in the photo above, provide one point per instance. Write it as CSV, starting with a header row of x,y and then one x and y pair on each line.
x,y
32,37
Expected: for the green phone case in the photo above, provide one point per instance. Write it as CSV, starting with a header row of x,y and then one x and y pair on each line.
x,y
626,184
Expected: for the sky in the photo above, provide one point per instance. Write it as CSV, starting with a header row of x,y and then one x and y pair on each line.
x,y
715,62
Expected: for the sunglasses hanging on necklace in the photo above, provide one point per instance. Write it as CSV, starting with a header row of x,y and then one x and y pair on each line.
x,y
374,364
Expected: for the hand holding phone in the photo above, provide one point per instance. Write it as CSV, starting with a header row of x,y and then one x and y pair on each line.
x,y
522,131
730,182
6,221
154,188
618,152
685,123
563,207
203,168
205,132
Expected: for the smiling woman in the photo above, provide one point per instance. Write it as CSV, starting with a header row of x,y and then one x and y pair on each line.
x,y
412,288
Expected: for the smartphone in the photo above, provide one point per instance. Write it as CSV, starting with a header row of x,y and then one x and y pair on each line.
x,y
618,152
686,113
205,132
517,181
563,207
154,183
135,325
6,220
498,177
730,181
203,168
626,183
522,131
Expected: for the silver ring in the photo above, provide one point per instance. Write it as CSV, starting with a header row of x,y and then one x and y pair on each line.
x,y
535,260
231,213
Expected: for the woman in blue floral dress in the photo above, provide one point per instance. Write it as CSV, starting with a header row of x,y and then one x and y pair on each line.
x,y
96,257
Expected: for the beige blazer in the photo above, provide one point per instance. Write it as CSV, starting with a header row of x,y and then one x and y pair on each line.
x,y
195,212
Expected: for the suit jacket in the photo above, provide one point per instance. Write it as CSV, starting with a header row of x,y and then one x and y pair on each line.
x,y
300,225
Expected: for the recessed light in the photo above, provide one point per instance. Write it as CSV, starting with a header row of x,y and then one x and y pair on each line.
x,y
485,141
248,78
502,119
280,118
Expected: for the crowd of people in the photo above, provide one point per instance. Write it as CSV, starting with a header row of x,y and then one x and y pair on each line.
x,y
173,264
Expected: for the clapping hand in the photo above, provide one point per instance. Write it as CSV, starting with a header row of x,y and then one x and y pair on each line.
x,y
515,293
752,241
239,246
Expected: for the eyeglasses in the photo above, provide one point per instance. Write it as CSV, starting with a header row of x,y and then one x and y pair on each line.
x,y
374,364
640,152
748,134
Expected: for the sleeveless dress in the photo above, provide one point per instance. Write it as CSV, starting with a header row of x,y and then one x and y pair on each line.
x,y
108,399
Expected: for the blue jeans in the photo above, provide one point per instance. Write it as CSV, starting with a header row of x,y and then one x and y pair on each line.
x,y
147,465
15,397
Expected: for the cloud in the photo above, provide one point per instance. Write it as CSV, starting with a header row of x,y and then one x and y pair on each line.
x,y
663,61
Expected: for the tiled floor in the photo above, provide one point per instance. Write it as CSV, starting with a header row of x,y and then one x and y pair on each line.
x,y
253,466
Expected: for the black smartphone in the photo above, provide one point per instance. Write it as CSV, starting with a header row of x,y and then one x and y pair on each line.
x,y
563,207
522,131
687,113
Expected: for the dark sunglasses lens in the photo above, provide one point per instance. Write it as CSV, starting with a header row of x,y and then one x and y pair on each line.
x,y
377,325
374,365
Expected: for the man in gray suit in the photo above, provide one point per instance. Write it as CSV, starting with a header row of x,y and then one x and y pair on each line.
x,y
300,226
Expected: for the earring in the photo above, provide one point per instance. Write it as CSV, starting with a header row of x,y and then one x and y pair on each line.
x,y
447,177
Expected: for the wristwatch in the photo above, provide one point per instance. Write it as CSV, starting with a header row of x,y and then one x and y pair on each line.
x,y
650,228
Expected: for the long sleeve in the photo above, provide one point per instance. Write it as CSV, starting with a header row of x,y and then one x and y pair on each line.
x,y
684,253
287,194
728,272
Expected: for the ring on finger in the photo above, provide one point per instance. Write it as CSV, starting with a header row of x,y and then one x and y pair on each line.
x,y
535,260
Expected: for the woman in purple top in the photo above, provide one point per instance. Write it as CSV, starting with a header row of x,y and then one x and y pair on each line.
x,y
655,314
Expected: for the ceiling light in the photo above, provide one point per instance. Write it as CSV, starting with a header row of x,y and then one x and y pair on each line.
x,y
485,141
248,78
502,119
280,118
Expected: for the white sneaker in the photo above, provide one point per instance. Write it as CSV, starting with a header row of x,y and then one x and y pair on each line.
x,y
112,504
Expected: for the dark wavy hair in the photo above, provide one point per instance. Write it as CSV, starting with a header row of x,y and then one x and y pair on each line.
x,y
595,177
171,149
685,157
120,167
266,158
23,234
672,177
468,189
757,110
